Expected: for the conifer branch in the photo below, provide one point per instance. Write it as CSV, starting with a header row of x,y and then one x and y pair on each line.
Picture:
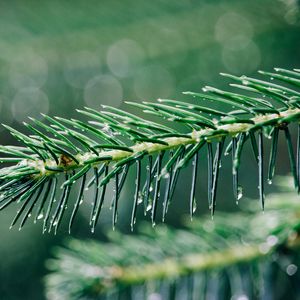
x,y
168,257
113,140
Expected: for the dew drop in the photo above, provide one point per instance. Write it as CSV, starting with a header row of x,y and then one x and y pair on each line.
x,y
149,207
270,181
167,175
239,192
291,269
151,187
140,198
194,205
272,240
40,216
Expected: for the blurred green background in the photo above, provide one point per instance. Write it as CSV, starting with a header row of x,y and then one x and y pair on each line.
x,y
57,56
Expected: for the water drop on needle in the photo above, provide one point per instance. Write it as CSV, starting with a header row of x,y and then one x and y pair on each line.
x,y
239,193
40,216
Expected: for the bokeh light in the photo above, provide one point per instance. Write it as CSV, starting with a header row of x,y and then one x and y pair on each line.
x,y
29,102
80,67
57,56
124,56
153,82
28,70
103,89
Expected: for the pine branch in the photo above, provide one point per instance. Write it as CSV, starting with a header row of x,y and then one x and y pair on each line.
x,y
221,250
113,140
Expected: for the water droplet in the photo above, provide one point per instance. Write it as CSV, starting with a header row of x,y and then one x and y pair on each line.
x,y
272,240
40,216
29,215
291,269
151,187
240,297
80,201
55,223
194,205
239,192
167,175
149,207
140,198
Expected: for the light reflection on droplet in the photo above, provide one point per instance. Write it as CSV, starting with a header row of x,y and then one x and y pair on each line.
x,y
154,296
291,269
272,240
103,89
239,297
29,102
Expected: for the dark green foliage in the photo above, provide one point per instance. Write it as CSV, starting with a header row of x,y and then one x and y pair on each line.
x,y
207,259
113,141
